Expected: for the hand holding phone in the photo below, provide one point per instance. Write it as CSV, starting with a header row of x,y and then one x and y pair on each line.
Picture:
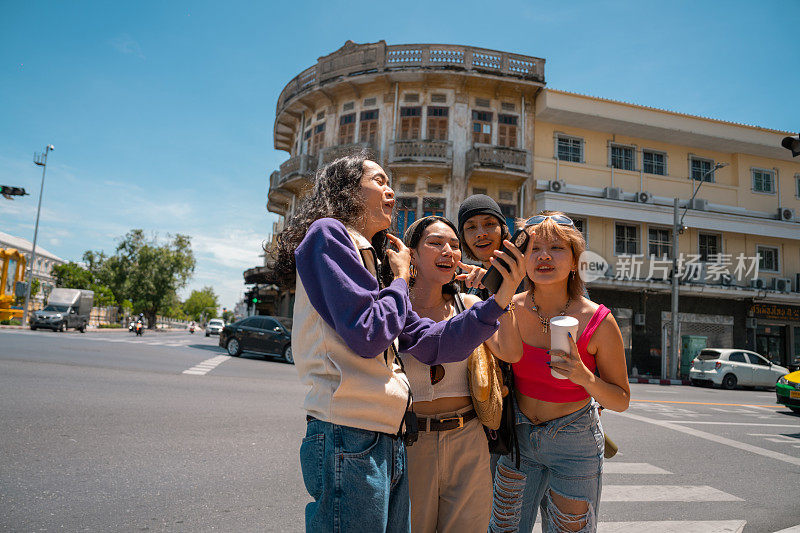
x,y
493,278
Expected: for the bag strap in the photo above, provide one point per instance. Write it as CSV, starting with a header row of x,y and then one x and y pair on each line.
x,y
460,307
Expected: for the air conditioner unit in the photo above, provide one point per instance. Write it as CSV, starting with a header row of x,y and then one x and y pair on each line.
x,y
698,204
751,323
638,319
644,197
557,185
783,284
758,283
612,193
786,214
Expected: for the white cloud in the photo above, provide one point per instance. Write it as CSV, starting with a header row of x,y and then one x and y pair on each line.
x,y
127,45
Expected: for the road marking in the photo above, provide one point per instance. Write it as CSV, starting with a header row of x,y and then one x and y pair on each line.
x,y
665,493
613,467
793,529
734,423
203,368
711,403
735,411
714,438
672,526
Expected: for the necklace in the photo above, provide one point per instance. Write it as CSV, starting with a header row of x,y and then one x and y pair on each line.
x,y
437,304
546,320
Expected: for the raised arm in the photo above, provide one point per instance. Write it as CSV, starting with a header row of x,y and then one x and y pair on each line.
x,y
450,340
346,294
506,343
610,385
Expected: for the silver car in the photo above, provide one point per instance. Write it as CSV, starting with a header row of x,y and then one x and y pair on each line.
x,y
728,368
214,326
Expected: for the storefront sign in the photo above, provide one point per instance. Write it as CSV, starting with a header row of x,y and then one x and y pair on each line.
x,y
775,312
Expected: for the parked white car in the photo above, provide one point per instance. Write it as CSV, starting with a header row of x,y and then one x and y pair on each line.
x,y
728,368
214,326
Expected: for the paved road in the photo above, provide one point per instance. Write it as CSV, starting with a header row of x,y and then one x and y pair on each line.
x,y
106,431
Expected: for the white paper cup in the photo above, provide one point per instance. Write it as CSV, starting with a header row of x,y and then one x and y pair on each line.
x,y
559,327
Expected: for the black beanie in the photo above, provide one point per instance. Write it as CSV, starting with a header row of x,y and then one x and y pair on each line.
x,y
478,204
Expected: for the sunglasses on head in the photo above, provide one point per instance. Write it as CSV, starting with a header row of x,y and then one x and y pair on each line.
x,y
437,374
561,220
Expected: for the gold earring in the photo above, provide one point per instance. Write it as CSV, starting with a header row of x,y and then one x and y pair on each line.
x,y
412,271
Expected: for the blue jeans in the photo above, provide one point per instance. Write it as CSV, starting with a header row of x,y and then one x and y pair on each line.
x,y
358,479
564,455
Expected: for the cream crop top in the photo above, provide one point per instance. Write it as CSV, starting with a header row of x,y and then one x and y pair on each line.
x,y
453,385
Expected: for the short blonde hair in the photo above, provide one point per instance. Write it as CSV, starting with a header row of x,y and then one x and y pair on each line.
x,y
551,230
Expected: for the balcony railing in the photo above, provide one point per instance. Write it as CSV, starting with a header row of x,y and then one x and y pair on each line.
x,y
499,157
420,151
334,152
300,165
379,57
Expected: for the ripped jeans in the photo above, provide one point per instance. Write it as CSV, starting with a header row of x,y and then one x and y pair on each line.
x,y
561,463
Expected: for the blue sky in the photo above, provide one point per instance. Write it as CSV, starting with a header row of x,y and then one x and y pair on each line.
x,y
161,112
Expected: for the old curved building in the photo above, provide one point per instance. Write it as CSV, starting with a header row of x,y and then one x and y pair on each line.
x,y
448,121
443,119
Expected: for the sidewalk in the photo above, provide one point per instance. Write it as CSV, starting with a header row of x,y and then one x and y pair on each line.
x,y
656,381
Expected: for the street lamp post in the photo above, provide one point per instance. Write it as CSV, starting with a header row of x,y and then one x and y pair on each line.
x,y
678,228
41,160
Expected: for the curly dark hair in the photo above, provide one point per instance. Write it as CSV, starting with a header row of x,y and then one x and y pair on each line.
x,y
335,195
414,234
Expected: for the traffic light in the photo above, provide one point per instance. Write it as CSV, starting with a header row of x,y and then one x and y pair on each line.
x,y
255,300
8,192
793,144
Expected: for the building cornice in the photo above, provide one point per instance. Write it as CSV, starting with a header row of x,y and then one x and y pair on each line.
x,y
613,117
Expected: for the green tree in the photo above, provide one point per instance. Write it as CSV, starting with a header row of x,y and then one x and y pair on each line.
x,y
72,275
152,272
35,286
201,304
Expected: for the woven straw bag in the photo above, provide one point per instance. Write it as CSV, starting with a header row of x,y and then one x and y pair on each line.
x,y
486,386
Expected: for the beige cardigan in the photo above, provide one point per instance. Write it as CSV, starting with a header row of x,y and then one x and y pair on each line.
x,y
346,389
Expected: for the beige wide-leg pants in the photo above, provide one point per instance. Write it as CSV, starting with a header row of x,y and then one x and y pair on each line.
x,y
451,486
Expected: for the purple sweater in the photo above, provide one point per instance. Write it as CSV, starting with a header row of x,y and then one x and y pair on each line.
x,y
348,298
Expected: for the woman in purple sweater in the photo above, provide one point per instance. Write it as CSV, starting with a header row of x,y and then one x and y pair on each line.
x,y
352,316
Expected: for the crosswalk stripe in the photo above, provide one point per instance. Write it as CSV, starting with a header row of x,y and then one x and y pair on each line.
x,y
665,493
793,529
713,438
612,467
671,526
195,372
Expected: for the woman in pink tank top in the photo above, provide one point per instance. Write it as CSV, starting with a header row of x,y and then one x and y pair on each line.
x,y
557,420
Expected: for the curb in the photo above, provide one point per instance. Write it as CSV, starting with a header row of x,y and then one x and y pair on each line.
x,y
653,381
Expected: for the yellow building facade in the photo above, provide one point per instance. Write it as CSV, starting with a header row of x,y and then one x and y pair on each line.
x,y
448,121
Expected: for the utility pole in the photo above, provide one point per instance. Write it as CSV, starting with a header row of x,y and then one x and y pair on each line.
x,y
673,345
40,160
678,228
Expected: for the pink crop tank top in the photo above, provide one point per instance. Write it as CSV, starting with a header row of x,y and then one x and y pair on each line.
x,y
532,376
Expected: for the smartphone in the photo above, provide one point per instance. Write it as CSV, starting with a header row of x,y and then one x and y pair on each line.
x,y
492,279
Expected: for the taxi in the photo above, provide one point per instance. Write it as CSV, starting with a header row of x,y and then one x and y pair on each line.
x,y
788,391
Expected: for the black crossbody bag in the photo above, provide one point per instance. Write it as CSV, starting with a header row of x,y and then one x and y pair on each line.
x,y
504,439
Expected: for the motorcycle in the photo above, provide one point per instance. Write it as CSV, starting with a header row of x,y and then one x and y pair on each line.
x,y
191,329
139,328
